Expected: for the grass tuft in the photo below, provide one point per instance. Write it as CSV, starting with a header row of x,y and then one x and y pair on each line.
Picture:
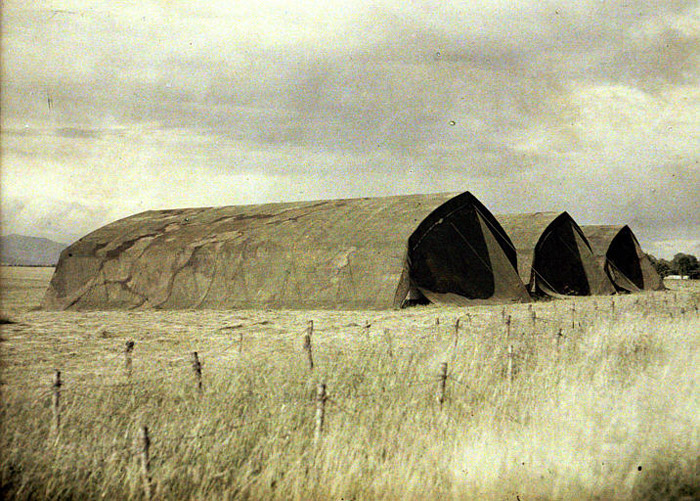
x,y
607,410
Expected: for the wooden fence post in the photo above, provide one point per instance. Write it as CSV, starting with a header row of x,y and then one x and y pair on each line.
x,y
389,343
240,343
573,315
197,368
456,332
145,443
557,338
533,317
320,411
366,328
56,402
443,383
128,350
507,321
307,348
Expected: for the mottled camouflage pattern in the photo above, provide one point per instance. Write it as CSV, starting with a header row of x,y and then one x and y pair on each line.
x,y
347,254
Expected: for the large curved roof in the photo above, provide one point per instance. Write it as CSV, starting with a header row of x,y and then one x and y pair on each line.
x,y
324,254
618,252
600,236
554,256
525,230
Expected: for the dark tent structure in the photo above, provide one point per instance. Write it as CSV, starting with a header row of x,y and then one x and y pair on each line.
x,y
554,256
354,253
618,252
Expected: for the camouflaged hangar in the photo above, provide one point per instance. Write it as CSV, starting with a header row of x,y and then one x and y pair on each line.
x,y
619,254
554,257
355,253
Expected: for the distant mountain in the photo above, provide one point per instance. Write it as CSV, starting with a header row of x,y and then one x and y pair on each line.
x,y
20,250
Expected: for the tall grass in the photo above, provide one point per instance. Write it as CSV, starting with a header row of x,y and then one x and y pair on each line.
x,y
609,411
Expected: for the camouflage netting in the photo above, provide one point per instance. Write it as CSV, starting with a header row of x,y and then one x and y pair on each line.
x,y
326,254
618,252
554,257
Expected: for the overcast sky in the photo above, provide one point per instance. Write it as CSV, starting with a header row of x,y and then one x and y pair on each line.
x,y
590,106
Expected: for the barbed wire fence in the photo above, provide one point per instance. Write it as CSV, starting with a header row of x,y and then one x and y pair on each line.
x,y
60,392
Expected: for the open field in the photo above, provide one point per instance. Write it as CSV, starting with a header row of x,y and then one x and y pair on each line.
x,y
593,401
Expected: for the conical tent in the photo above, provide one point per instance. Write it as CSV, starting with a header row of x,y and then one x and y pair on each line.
x,y
554,257
618,252
355,253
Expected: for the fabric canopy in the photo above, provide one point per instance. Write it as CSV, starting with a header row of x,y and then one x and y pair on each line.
x,y
554,256
354,253
618,252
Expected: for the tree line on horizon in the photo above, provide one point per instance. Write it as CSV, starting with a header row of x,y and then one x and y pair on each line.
x,y
685,265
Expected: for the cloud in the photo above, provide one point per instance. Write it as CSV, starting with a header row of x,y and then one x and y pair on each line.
x,y
59,220
666,249
590,106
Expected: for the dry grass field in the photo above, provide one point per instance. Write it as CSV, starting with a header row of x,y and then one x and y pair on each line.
x,y
585,402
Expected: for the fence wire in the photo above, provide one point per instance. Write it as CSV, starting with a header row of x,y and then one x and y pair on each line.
x,y
72,389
